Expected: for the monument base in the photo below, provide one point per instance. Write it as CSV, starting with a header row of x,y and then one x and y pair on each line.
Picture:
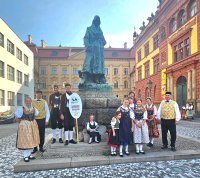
x,y
95,87
102,104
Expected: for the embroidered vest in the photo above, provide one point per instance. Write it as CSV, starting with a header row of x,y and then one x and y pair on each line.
x,y
40,107
28,115
150,110
168,111
138,113
116,126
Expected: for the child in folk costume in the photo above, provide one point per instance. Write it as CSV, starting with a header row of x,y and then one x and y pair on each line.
x,y
151,121
113,139
125,127
28,133
189,112
92,129
141,134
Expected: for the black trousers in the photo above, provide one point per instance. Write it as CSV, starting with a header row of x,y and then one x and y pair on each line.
x,y
68,121
56,122
168,125
41,127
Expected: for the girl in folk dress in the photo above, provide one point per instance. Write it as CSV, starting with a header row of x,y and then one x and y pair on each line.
x,y
125,127
27,134
92,129
151,121
189,112
141,134
113,138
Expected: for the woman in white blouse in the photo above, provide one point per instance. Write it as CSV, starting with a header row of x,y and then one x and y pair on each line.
x,y
27,134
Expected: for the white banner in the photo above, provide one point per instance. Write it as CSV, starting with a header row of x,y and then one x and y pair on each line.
x,y
75,105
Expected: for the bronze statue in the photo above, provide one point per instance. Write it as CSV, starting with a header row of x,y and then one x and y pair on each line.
x,y
93,71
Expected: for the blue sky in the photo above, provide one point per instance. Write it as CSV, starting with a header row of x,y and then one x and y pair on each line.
x,y
64,21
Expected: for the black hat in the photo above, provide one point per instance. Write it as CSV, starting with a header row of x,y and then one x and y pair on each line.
x,y
168,92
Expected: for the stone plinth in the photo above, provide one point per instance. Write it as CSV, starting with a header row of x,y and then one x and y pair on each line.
x,y
102,104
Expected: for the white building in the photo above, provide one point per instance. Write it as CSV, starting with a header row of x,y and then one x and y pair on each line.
x,y
16,69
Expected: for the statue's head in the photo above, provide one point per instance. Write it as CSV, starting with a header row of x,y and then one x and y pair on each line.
x,y
96,21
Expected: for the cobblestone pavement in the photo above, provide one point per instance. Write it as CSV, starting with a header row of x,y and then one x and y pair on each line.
x,y
9,155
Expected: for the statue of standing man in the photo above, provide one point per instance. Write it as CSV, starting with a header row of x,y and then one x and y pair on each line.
x,y
93,68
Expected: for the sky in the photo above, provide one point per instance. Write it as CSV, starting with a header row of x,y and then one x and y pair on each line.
x,y
64,22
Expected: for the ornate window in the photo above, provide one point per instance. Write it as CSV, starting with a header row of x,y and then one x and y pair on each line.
x,y
173,25
156,41
146,49
125,84
156,65
146,66
162,33
181,17
192,8
115,84
139,73
139,54
181,49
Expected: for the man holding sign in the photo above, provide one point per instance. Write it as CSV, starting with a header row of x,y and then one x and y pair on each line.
x,y
66,115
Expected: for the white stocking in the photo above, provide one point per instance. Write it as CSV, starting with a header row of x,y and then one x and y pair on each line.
x,y
71,135
60,133
53,133
66,135
137,147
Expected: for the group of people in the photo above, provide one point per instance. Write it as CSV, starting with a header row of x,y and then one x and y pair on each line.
x,y
35,115
187,111
132,123
136,123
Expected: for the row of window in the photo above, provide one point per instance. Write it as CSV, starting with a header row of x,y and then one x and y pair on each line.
x,y
11,49
180,20
146,47
183,15
54,71
11,74
116,84
156,66
11,98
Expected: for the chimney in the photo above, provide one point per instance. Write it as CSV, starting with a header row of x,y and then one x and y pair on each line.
x,y
29,39
43,43
125,45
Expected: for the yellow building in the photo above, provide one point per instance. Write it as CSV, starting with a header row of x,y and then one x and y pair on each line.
x,y
16,69
59,65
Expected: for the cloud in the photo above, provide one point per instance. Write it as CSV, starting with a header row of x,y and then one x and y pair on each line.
x,y
118,40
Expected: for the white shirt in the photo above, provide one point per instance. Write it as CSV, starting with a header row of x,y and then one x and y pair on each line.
x,y
176,108
19,112
130,111
91,123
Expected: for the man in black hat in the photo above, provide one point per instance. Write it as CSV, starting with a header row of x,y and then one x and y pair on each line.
x,y
169,114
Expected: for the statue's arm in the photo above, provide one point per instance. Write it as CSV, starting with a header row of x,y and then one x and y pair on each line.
x,y
86,39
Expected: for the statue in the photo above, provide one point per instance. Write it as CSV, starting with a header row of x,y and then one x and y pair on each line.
x,y
93,71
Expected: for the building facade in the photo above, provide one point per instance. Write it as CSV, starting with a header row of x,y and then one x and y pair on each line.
x,y
16,69
168,53
60,65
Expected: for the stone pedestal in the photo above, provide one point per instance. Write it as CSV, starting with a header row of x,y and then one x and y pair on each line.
x,y
102,104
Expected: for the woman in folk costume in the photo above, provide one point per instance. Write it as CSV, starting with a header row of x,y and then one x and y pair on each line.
x,y
189,112
151,121
125,127
113,135
28,133
141,135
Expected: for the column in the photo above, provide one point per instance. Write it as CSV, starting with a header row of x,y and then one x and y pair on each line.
x,y
193,84
189,89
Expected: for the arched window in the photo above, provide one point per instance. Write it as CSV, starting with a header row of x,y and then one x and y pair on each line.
x,y
147,92
192,8
181,17
115,84
162,33
173,25
139,94
125,84
154,92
